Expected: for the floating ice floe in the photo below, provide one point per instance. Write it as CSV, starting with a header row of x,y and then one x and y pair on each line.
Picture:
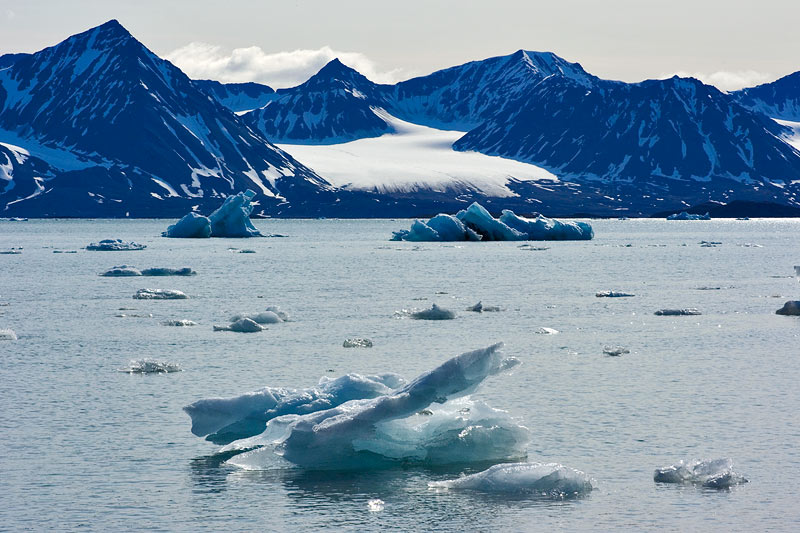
x,y
716,474
11,251
791,308
65,251
480,308
615,351
164,271
7,335
550,480
231,219
389,430
614,294
689,311
357,343
223,420
121,271
151,366
476,224
135,315
114,245
683,215
179,322
375,505
434,313
546,331
242,325
264,317
159,294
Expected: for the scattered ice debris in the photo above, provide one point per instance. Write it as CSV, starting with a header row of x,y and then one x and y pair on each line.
x,y
715,474
65,251
683,215
791,308
476,224
387,431
532,248
265,317
709,244
159,294
357,343
550,480
231,219
242,325
750,245
164,271
375,505
11,251
434,313
247,251
114,245
223,420
689,311
7,335
151,366
614,294
480,308
139,315
179,322
615,351
121,271
546,331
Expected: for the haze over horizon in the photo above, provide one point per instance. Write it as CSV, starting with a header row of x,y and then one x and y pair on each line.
x,y
283,44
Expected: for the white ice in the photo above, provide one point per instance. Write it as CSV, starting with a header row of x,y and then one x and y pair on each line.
x,y
689,311
614,294
159,294
151,366
7,335
357,343
114,245
179,322
717,473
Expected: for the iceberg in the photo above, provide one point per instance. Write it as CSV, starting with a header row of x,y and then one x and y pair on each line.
x,y
159,294
434,313
223,420
791,308
114,245
151,366
231,219
7,335
689,311
392,430
715,474
242,325
476,224
357,343
614,294
121,271
683,215
265,317
551,480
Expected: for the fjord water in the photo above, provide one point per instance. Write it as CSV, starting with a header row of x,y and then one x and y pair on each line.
x,y
86,446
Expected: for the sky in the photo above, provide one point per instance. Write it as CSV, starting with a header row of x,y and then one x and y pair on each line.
x,y
731,44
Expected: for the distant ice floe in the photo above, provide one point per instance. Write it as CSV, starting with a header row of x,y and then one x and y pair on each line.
x,y
615,351
376,505
546,331
179,323
357,343
164,271
264,317
224,420
614,294
231,219
550,480
480,308
797,271
715,474
689,311
434,313
391,429
121,271
7,335
242,325
151,366
790,308
11,251
683,215
159,294
476,224
114,245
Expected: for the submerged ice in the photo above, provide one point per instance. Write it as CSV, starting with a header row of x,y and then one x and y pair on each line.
x,y
716,473
476,224
231,219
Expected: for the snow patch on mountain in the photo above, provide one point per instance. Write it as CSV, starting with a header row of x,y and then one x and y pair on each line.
x,y
793,139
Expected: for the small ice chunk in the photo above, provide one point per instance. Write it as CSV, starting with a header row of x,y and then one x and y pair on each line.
x,y
797,271
615,351
136,315
480,308
247,251
191,226
546,331
163,271
551,480
65,251
688,311
179,322
683,215
357,343
151,366
375,505
265,317
114,245
243,325
716,474
7,335
277,310
614,294
434,313
121,271
791,308
159,294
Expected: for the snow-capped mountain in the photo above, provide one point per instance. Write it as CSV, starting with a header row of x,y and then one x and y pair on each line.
x,y
779,99
238,97
335,105
121,131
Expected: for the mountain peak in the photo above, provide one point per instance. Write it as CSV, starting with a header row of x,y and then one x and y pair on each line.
x,y
335,67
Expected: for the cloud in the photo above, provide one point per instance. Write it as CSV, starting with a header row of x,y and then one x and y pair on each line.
x,y
10,15
729,80
282,69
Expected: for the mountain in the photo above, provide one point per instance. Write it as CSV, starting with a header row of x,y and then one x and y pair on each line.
x,y
115,130
779,99
238,97
335,105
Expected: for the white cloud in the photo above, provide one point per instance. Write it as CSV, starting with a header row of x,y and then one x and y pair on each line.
x,y
10,15
282,69
729,80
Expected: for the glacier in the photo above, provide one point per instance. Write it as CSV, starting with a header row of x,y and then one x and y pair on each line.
x,y
231,219
551,480
432,421
715,474
476,224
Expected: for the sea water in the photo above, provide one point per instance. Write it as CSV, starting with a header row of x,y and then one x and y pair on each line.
x,y
84,446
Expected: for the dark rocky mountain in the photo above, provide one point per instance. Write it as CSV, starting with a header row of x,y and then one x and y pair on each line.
x,y
237,97
779,99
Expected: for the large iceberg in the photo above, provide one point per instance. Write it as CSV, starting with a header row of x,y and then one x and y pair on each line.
x,y
476,223
231,219
715,474
551,480
683,215
429,421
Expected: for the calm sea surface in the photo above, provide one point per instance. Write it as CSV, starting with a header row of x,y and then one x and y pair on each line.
x,y
84,446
